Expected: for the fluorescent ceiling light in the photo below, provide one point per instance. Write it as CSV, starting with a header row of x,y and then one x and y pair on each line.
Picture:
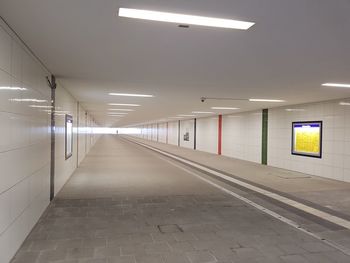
x,y
28,100
175,117
202,112
12,88
338,85
184,19
121,109
123,104
343,103
224,108
295,109
40,106
186,115
266,100
131,95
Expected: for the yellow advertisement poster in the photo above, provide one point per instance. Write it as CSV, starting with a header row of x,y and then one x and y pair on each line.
x,y
307,138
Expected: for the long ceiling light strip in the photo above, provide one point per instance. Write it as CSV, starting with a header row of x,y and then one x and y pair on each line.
x,y
202,112
224,108
121,109
124,104
338,85
12,88
203,99
184,19
131,95
265,100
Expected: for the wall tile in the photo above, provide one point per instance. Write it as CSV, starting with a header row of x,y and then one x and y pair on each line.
x,y
207,134
173,131
187,126
5,51
335,137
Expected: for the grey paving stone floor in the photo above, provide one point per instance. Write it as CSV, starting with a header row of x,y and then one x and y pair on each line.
x,y
171,217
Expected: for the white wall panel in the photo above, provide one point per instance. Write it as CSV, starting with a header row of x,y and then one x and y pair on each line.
x,y
241,136
5,50
335,159
187,126
207,134
154,132
162,129
65,104
24,144
173,132
149,132
82,134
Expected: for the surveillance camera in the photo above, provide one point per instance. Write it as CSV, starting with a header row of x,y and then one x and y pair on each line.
x,y
202,99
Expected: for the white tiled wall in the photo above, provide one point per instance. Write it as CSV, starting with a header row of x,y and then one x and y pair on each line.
x,y
64,168
335,162
154,132
173,132
149,132
24,144
162,130
207,134
241,136
187,126
82,134
145,132
67,104
91,138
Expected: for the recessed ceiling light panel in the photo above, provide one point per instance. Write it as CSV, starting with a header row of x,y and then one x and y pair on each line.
x,y
124,104
117,113
40,106
183,19
224,108
202,112
131,95
12,88
266,100
295,109
337,85
121,109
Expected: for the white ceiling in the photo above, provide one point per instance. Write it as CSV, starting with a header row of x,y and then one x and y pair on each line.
x,y
295,46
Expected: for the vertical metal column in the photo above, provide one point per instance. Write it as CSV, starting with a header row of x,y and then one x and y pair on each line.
x,y
53,85
219,134
195,134
78,124
265,119
178,133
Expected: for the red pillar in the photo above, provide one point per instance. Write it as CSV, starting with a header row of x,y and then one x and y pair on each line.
x,y
219,134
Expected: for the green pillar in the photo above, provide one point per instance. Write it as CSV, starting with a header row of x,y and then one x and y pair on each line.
x,y
265,118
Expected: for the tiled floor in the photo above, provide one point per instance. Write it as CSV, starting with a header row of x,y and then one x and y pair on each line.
x,y
124,204
322,191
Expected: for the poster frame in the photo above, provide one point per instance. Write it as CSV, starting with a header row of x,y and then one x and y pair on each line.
x,y
319,156
68,118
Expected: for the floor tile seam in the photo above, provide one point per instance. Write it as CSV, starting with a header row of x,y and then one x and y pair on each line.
x,y
273,191
261,208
